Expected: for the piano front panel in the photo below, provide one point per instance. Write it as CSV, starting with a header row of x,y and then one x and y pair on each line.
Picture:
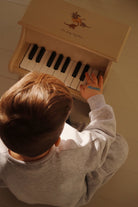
x,y
76,52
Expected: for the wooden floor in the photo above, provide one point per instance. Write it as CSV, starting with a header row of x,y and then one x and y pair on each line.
x,y
121,92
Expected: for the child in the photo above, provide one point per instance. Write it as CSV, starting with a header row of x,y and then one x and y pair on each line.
x,y
43,160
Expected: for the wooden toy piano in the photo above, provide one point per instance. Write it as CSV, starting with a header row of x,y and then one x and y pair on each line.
x,y
66,41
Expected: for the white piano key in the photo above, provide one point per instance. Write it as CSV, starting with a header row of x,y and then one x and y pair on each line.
x,y
32,64
69,77
40,55
84,82
76,80
44,68
41,63
37,66
25,59
64,75
51,70
58,74
58,61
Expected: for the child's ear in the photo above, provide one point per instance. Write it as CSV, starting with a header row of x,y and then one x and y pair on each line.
x,y
57,142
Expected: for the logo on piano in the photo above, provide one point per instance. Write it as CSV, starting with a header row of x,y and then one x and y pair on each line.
x,y
77,21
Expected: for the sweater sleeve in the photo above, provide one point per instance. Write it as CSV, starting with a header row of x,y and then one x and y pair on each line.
x,y
101,116
101,131
93,143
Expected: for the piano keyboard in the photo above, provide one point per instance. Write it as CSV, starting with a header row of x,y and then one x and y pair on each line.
x,y
70,72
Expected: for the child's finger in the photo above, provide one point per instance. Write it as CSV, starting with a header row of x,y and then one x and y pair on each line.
x,y
82,87
88,79
94,78
101,82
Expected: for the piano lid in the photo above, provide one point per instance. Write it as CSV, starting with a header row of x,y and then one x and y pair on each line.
x,y
70,23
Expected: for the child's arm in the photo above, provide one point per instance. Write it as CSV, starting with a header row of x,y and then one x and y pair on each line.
x,y
97,148
96,152
96,138
101,115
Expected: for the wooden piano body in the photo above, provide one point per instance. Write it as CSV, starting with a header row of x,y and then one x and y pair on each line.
x,y
72,31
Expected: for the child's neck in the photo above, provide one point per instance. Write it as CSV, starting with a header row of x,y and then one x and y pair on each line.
x,y
25,158
29,159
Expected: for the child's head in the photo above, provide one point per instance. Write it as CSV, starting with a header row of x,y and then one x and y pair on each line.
x,y
33,113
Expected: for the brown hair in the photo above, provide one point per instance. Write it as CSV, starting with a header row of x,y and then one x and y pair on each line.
x,y
33,112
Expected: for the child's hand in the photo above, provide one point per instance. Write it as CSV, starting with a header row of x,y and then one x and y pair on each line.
x,y
93,86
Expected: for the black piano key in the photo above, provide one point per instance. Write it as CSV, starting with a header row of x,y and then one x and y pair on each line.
x,y
101,73
51,59
66,64
86,68
58,62
40,55
33,51
76,70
